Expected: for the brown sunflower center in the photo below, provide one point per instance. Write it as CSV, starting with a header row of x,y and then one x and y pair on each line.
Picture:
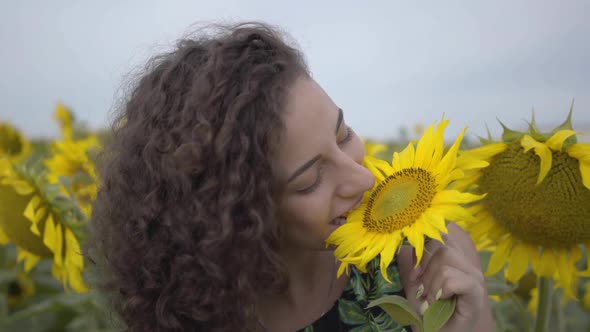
x,y
399,200
554,213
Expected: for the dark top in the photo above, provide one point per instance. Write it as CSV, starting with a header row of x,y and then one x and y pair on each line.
x,y
348,313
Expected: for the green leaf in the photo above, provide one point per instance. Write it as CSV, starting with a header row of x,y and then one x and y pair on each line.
x,y
509,135
351,312
400,310
534,131
382,287
567,125
357,288
438,313
385,322
363,328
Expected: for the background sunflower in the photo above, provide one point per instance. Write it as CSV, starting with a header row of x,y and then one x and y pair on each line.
x,y
535,215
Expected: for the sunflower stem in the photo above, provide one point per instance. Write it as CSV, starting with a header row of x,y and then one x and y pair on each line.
x,y
525,316
544,285
560,320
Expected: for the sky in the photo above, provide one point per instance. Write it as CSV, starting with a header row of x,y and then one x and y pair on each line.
x,y
387,64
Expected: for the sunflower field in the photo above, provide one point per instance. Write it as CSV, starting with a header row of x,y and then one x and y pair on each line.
x,y
529,202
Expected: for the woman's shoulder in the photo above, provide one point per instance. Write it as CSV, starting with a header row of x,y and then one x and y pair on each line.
x,y
350,311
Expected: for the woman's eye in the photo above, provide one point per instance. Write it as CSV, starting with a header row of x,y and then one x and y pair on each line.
x,y
348,137
315,184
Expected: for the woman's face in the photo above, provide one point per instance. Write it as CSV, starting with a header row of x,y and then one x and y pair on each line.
x,y
319,165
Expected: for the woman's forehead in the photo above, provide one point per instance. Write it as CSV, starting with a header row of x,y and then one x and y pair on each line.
x,y
310,120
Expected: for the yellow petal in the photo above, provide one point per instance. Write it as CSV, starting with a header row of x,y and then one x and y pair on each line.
x,y
449,161
341,269
23,188
567,273
417,241
396,162
518,263
346,232
542,151
585,171
485,152
444,180
499,257
465,162
29,212
555,142
382,165
439,141
455,197
453,212
76,281
73,253
480,230
58,253
407,156
467,181
425,149
30,259
49,234
352,250
580,151
34,228
431,232
374,249
388,253
436,220
371,167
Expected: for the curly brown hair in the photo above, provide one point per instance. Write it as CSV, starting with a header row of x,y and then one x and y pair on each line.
x,y
183,234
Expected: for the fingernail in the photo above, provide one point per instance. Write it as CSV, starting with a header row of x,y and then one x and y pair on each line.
x,y
438,294
423,307
420,291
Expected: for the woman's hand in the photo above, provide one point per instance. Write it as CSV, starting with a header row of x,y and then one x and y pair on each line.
x,y
445,271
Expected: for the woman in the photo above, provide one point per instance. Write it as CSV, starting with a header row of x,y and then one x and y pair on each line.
x,y
228,168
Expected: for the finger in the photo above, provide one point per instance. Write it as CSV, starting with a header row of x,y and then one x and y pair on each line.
x,y
458,239
443,278
453,282
405,263
430,249
437,288
443,258
461,240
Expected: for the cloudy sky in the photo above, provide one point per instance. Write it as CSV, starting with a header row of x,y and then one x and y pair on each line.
x,y
386,63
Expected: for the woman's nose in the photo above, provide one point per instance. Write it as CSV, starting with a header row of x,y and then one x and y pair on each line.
x,y
356,179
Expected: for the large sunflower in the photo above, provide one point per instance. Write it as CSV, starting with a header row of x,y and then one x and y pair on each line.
x,y
409,201
40,222
537,207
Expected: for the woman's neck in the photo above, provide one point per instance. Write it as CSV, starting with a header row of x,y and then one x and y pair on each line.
x,y
309,271
311,291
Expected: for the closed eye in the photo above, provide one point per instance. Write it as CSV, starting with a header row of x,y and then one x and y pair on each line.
x,y
348,137
315,184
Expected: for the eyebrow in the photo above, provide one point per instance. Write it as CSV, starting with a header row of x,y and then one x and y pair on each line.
x,y
312,161
339,122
